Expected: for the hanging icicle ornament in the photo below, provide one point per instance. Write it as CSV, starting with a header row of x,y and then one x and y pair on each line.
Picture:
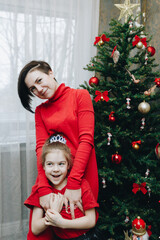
x,y
147,173
109,138
143,123
126,219
132,76
115,54
130,26
128,103
104,182
149,191
146,58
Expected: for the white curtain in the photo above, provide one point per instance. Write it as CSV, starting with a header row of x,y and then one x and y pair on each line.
x,y
62,33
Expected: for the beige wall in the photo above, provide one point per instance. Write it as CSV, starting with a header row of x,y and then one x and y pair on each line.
x,y
152,24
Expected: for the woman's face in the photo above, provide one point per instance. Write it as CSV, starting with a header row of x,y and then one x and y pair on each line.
x,y
41,84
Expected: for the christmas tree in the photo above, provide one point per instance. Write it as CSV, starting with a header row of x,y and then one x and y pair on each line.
x,y
125,92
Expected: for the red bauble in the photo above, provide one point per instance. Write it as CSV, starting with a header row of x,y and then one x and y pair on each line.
x,y
116,158
151,50
112,117
138,226
93,81
157,81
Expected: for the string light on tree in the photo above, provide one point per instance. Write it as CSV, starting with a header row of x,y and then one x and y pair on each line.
x,y
147,173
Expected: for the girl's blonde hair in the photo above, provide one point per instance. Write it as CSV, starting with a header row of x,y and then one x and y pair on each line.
x,y
49,146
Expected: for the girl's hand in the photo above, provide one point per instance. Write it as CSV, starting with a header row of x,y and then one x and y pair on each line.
x,y
53,218
56,202
73,197
45,201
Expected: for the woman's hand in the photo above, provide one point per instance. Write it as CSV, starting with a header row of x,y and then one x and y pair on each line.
x,y
73,197
56,202
53,218
45,201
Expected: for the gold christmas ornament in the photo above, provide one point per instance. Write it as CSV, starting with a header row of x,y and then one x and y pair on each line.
x,y
126,9
139,45
144,107
100,43
136,146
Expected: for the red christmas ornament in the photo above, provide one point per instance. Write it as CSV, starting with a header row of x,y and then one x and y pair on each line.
x,y
157,151
151,50
135,144
93,81
112,117
116,158
138,226
101,96
157,81
139,187
138,40
101,40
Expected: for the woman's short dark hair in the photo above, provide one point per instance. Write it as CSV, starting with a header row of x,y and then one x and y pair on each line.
x,y
24,93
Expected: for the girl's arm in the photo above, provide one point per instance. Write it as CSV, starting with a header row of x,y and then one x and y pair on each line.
x,y
38,221
88,221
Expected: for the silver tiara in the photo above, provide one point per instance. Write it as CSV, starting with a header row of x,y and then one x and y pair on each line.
x,y
57,138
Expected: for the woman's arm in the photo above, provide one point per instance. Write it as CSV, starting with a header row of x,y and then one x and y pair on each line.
x,y
88,221
44,188
38,221
85,117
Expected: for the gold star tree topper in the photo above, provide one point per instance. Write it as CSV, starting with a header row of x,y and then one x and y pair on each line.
x,y
126,9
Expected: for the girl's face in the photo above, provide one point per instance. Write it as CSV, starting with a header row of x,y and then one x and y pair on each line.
x,y
41,84
56,168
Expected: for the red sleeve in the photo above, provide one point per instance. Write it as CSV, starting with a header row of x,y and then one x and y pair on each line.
x,y
86,139
88,199
41,135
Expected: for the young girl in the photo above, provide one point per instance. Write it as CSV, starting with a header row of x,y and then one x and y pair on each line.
x,y
56,161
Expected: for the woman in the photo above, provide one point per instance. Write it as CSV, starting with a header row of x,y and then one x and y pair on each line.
x,y
70,112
